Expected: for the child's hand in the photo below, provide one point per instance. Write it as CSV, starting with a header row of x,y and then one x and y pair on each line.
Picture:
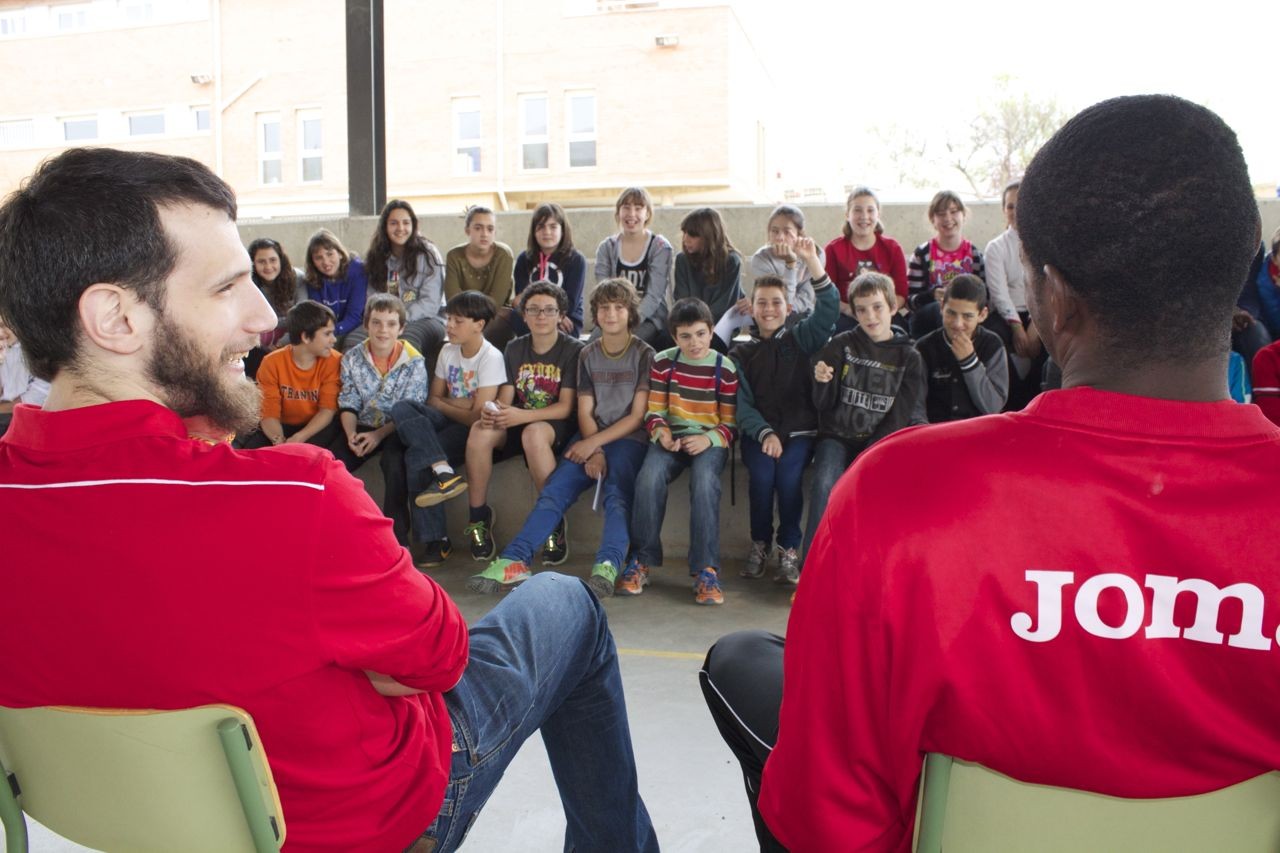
x,y
772,446
784,252
566,325
806,249
961,345
664,438
939,294
694,444
743,305
597,466
823,372
580,451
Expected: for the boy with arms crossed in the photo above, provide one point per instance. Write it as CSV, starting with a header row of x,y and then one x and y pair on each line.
x,y
300,382
691,422
775,409
534,405
613,393
468,373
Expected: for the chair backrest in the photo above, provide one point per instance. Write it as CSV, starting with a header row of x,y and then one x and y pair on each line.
x,y
194,779
967,807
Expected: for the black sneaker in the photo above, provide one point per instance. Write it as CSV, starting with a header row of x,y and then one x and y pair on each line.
x,y
556,551
446,486
480,533
435,554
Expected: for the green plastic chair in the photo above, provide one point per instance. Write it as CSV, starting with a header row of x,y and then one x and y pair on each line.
x,y
193,780
967,807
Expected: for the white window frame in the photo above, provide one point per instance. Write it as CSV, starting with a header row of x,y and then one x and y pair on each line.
x,y
83,25
462,162
261,120
572,137
97,127
196,109
10,128
164,121
17,22
527,138
147,7
304,153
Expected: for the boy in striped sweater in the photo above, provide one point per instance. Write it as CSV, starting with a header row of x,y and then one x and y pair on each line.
x,y
691,422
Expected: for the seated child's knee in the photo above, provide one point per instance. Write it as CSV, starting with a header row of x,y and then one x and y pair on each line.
x,y
537,435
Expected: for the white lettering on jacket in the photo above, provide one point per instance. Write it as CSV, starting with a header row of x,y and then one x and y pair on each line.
x,y
1046,623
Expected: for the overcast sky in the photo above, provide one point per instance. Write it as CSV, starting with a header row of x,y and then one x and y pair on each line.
x,y
851,67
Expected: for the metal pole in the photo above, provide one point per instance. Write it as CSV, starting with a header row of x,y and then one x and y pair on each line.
x,y
366,109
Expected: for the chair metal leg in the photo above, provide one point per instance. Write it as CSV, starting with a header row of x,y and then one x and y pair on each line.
x,y
15,822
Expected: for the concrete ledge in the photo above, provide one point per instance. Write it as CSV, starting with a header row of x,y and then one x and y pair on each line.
x,y
512,496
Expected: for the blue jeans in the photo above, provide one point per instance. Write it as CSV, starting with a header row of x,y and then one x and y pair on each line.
x,y
830,460
544,660
429,436
622,460
783,476
660,468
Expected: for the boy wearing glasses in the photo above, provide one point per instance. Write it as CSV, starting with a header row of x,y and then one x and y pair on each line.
x,y
534,412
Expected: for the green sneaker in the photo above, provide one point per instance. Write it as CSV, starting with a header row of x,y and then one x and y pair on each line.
x,y
500,573
603,576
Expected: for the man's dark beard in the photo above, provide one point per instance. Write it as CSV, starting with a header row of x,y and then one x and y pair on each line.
x,y
191,386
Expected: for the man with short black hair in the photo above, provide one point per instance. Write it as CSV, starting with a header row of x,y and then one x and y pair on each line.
x,y
132,581
1122,637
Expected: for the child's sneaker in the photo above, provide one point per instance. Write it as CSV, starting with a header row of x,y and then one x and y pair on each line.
x,y
757,557
788,566
556,551
501,573
707,588
481,535
603,576
634,578
446,486
435,554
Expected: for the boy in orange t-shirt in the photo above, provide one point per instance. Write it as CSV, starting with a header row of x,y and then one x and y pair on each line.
x,y
300,382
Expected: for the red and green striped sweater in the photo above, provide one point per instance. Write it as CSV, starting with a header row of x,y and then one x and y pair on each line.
x,y
693,397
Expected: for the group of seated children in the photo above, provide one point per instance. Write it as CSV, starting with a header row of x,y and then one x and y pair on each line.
x,y
612,413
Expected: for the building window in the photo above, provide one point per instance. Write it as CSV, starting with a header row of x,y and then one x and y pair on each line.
x,y
269,150
535,144
137,11
466,136
78,129
13,23
582,130
146,124
310,146
14,134
200,118
71,19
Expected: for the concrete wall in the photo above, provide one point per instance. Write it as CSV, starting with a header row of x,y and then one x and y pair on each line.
x,y
746,226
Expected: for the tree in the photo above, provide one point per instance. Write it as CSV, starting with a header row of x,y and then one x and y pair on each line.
x,y
1002,141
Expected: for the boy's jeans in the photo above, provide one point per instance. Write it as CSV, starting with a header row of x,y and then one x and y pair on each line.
x,y
830,460
783,476
544,660
429,436
566,483
650,505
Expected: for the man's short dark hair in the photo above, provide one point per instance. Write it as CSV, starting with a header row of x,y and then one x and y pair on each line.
x,y
1144,205
967,287
306,318
687,312
473,305
91,215
546,288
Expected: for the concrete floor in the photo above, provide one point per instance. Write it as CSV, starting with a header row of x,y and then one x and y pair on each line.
x,y
690,784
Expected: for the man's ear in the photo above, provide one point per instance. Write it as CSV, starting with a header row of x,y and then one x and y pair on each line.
x,y
114,319
1067,309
